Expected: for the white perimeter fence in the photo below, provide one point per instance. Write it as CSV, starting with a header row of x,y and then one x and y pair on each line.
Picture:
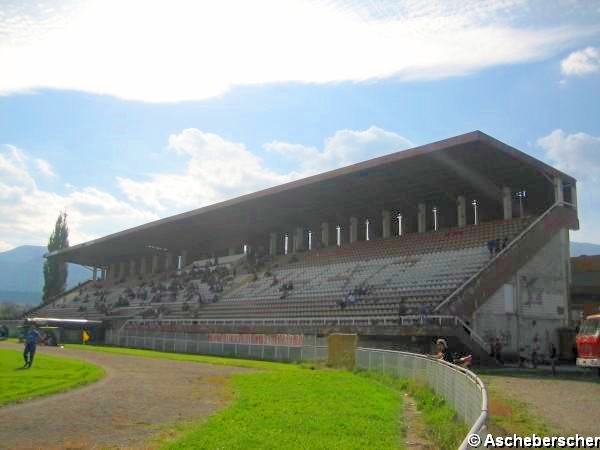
x,y
461,388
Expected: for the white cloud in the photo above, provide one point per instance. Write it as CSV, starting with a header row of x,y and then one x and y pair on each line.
x,y
578,155
5,246
28,213
44,167
179,50
582,62
343,148
216,169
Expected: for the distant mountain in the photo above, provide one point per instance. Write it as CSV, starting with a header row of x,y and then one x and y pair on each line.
x,y
582,248
22,276
23,298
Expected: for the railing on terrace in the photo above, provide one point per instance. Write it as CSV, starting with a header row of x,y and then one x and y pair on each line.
x,y
442,321
407,320
461,388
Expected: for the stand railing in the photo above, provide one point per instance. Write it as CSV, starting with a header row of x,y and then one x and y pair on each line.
x,y
408,320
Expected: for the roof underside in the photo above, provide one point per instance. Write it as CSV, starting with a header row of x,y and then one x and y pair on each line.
x,y
473,164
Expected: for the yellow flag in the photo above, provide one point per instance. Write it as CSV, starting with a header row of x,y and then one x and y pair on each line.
x,y
86,336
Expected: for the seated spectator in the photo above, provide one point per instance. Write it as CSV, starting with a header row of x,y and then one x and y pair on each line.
x,y
351,298
504,242
491,245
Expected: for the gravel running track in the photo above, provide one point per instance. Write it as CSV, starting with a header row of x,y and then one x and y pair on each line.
x,y
132,403
569,407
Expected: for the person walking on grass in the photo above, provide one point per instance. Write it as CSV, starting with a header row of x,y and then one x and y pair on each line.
x,y
31,339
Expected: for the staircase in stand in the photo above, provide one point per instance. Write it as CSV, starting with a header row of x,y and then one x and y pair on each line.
x,y
480,287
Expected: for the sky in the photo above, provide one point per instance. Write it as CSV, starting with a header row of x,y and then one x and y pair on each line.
x,y
123,112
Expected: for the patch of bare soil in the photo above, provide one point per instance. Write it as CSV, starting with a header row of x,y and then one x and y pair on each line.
x,y
416,437
570,407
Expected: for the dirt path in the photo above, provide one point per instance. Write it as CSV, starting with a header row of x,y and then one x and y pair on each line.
x,y
415,427
123,410
570,407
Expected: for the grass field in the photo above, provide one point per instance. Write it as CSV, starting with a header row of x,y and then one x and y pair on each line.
x,y
299,406
443,426
288,406
48,375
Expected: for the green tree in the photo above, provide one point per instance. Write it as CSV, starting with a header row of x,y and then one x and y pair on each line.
x,y
55,270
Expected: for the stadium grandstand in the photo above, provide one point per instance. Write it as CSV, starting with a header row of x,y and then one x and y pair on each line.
x,y
466,238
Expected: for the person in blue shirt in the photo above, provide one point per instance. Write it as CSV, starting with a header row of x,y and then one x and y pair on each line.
x,y
31,339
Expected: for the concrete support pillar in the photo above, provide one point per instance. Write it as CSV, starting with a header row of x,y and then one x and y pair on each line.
x,y
168,262
574,195
558,190
386,224
353,229
95,274
132,268
155,259
298,239
143,266
461,211
325,234
507,202
421,217
273,236
112,271
122,269
183,258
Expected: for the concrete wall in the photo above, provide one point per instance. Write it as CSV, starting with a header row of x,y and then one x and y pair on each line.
x,y
533,304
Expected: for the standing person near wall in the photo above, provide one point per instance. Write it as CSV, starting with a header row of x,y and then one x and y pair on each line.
x,y
535,351
553,357
498,351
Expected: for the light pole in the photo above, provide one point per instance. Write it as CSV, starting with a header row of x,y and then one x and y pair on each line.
x,y
521,195
399,216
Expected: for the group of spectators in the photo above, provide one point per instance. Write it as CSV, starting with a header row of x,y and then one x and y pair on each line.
x,y
285,288
354,296
494,246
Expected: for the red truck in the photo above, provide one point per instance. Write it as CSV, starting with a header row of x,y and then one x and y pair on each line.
x,y
588,342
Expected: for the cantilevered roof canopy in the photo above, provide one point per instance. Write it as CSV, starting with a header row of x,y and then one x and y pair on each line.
x,y
473,164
